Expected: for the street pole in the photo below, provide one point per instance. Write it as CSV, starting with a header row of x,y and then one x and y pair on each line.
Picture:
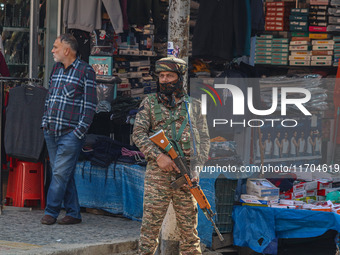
x,y
178,46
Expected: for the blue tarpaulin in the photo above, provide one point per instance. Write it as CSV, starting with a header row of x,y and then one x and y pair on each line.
x,y
120,189
257,227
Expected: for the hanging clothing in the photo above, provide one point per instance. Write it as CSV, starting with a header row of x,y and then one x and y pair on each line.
x,y
86,14
257,17
140,11
24,138
84,46
220,29
3,67
123,5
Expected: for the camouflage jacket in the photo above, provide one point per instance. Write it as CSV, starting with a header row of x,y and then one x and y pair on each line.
x,y
151,118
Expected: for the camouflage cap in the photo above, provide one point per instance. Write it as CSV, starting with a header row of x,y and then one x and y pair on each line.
x,y
171,64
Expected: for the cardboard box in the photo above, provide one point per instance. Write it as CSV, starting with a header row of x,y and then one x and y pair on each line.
x,y
318,23
317,29
265,36
300,34
299,42
319,2
293,57
298,187
280,45
299,194
324,184
280,40
324,192
322,52
102,65
311,193
323,47
298,18
280,62
279,58
319,36
258,57
260,61
299,63
123,86
313,185
301,53
245,198
299,11
325,58
298,28
260,41
280,55
281,50
262,53
299,47
302,38
322,42
321,63
261,188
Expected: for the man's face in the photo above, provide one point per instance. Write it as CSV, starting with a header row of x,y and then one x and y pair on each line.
x,y
165,77
58,50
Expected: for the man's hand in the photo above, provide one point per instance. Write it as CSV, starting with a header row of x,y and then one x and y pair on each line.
x,y
166,163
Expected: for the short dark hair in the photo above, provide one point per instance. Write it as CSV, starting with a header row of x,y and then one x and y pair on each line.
x,y
70,40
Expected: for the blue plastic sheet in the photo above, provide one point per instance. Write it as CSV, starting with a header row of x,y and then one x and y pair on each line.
x,y
120,190
116,190
259,227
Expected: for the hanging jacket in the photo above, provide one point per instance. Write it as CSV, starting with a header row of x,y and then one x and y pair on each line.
x,y
86,14
221,29
24,138
140,11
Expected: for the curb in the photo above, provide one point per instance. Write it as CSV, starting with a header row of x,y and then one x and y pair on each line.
x,y
116,247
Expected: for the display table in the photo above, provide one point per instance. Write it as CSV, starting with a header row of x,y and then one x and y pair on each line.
x,y
259,227
120,190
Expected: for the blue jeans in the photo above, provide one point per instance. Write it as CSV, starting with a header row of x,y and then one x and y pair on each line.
x,y
63,152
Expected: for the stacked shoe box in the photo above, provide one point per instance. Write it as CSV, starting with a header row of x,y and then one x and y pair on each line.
x,y
280,51
298,19
300,54
277,16
336,50
334,16
322,52
263,49
135,75
318,16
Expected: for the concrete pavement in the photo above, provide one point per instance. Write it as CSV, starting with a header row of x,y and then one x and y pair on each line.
x,y
22,233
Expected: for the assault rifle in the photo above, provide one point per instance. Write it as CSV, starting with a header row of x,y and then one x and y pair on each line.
x,y
160,139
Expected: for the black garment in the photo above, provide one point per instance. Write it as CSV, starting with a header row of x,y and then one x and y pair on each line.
x,y
257,17
220,29
24,138
140,11
84,46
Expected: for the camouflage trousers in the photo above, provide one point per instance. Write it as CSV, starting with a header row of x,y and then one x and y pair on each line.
x,y
157,195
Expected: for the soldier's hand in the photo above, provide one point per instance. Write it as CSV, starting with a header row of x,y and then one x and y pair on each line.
x,y
195,179
166,163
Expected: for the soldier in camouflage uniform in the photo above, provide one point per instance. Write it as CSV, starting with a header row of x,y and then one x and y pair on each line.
x,y
167,110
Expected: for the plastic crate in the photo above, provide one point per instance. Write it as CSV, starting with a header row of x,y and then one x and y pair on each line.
x,y
225,197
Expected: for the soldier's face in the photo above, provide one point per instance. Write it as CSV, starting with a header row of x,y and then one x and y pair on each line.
x,y
165,77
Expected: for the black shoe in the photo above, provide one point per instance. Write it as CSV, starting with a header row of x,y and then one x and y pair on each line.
x,y
67,220
48,220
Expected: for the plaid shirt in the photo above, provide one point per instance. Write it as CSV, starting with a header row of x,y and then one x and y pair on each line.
x,y
71,102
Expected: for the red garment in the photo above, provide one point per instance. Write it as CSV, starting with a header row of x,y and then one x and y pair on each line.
x,y
3,66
